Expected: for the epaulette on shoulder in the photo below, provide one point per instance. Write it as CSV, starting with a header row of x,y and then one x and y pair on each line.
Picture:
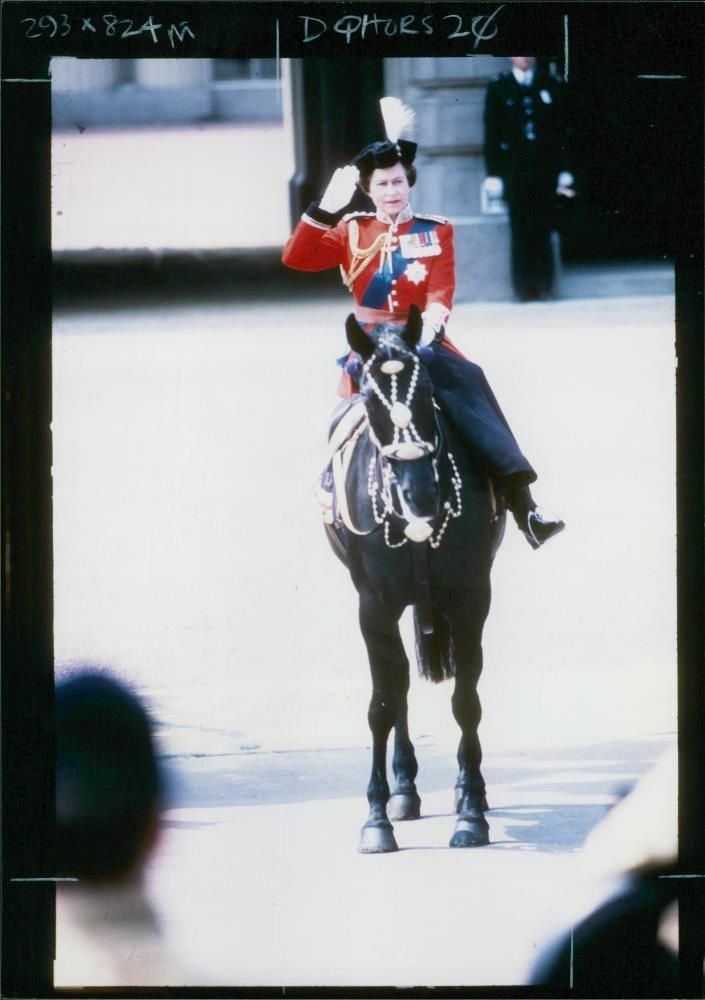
x,y
358,215
431,218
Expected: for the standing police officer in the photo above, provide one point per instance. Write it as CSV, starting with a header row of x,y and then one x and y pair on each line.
x,y
525,159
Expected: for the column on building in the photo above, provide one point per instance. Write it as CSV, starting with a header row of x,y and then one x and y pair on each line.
x,y
115,92
448,96
68,74
79,86
174,90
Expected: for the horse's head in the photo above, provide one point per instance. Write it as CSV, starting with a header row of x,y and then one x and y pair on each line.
x,y
401,412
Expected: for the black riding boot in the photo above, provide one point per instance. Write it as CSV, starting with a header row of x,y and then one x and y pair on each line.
x,y
537,526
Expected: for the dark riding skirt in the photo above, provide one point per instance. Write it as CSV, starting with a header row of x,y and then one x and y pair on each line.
x,y
465,396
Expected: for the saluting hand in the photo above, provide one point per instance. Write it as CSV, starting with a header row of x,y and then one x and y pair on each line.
x,y
340,190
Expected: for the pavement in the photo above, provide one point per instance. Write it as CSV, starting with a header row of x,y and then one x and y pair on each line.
x,y
190,559
267,888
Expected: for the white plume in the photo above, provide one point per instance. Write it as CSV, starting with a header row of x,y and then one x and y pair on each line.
x,y
397,117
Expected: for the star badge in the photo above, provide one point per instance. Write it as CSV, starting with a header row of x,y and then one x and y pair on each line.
x,y
416,272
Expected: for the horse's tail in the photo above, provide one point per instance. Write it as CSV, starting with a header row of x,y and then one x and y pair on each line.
x,y
434,652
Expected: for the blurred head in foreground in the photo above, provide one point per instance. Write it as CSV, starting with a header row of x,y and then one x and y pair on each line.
x,y
109,789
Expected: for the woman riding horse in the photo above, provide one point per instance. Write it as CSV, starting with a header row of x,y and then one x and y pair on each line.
x,y
423,528
392,258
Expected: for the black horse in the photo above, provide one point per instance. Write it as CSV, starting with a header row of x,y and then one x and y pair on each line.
x,y
421,528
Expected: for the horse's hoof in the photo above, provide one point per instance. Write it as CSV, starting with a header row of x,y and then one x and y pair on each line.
x,y
404,806
377,840
471,833
458,794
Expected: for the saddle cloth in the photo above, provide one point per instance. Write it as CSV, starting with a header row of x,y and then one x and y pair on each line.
x,y
348,423
346,428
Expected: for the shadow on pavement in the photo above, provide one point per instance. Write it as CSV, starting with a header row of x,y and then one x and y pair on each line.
x,y
148,278
548,827
542,800
126,279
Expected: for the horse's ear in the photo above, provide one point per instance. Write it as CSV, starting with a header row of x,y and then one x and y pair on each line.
x,y
358,339
412,331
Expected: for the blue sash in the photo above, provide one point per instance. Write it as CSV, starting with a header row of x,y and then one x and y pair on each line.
x,y
379,289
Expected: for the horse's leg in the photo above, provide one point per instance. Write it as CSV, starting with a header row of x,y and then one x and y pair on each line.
x,y
389,667
471,828
460,784
405,802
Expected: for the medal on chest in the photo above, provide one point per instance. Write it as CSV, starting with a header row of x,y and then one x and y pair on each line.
x,y
426,244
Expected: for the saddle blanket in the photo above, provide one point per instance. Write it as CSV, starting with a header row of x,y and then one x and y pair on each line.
x,y
344,436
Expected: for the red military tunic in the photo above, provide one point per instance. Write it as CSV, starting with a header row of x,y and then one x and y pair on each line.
x,y
388,266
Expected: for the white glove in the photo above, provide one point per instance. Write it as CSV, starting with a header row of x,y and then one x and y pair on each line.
x,y
434,321
428,335
491,193
340,190
565,184
494,187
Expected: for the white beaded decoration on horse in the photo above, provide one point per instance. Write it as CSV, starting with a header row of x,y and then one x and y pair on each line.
x,y
457,484
399,412
402,419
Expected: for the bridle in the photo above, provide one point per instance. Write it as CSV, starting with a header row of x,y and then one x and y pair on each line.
x,y
407,445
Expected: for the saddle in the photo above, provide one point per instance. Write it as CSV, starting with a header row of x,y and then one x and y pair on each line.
x,y
347,423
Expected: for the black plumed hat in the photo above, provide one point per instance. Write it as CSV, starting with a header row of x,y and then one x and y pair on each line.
x,y
397,118
384,154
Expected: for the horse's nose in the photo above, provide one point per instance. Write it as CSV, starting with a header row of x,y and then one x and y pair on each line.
x,y
422,498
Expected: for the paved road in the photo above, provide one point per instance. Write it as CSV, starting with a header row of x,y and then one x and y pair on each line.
x,y
261,883
189,558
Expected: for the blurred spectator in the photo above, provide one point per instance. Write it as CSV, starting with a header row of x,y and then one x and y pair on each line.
x,y
525,159
627,944
109,795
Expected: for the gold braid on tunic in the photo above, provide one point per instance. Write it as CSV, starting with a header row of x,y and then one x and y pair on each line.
x,y
360,258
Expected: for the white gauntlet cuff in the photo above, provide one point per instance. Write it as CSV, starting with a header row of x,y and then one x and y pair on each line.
x,y
435,319
437,315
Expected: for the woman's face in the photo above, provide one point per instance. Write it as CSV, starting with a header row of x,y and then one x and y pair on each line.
x,y
389,189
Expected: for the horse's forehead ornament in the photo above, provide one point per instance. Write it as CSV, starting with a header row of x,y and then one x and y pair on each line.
x,y
392,367
400,412
388,340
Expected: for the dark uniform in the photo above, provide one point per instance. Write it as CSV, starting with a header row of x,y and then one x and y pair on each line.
x,y
525,145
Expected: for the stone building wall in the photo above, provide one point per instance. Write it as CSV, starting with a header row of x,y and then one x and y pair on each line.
x,y
120,92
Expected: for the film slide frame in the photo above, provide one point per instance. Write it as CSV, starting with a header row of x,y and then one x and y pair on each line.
x,y
663,40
